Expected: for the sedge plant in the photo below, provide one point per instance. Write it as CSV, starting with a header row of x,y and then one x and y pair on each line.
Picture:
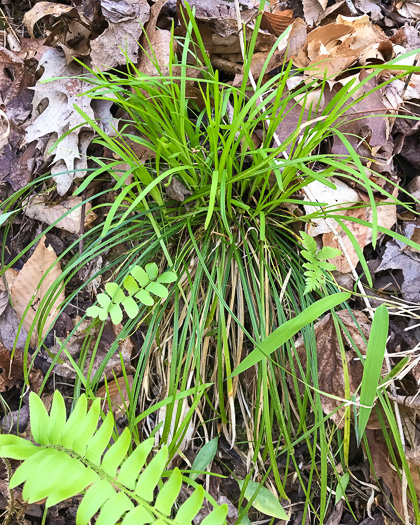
x,y
232,246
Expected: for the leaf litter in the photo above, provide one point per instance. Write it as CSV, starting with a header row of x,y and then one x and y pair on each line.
x,y
329,37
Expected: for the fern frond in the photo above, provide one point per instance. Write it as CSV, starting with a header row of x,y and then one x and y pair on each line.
x,y
73,457
317,262
140,284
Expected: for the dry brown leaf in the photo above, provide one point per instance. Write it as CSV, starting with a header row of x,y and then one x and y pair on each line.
x,y
385,469
289,47
115,388
42,9
396,258
333,48
408,9
48,213
276,23
126,19
74,348
160,41
330,368
313,9
25,290
11,371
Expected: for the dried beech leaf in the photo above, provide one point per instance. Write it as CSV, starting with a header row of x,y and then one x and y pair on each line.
x,y
25,289
49,213
395,258
276,22
160,41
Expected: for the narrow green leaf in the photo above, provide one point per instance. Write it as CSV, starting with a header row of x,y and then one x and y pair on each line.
x,y
265,501
290,328
116,453
150,477
138,516
15,447
190,508
132,466
58,418
170,491
212,199
100,440
375,354
73,487
204,457
74,421
114,508
95,497
87,429
5,216
341,487
39,419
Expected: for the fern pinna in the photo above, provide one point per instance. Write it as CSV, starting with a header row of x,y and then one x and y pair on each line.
x,y
72,456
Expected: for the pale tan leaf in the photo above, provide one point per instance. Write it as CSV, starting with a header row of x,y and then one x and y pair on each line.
x,y
313,10
42,211
27,290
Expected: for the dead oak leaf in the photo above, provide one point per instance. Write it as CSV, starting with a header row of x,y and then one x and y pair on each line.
x,y
30,287
119,41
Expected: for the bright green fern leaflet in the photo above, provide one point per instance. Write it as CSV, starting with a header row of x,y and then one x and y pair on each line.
x,y
317,262
72,457
139,285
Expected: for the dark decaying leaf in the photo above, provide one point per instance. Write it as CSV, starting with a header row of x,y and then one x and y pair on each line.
x,y
330,369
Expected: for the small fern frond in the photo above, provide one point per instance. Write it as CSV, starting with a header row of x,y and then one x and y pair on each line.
x,y
317,262
140,285
73,456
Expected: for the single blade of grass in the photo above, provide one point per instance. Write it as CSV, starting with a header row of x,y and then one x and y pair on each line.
x,y
373,364
290,328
